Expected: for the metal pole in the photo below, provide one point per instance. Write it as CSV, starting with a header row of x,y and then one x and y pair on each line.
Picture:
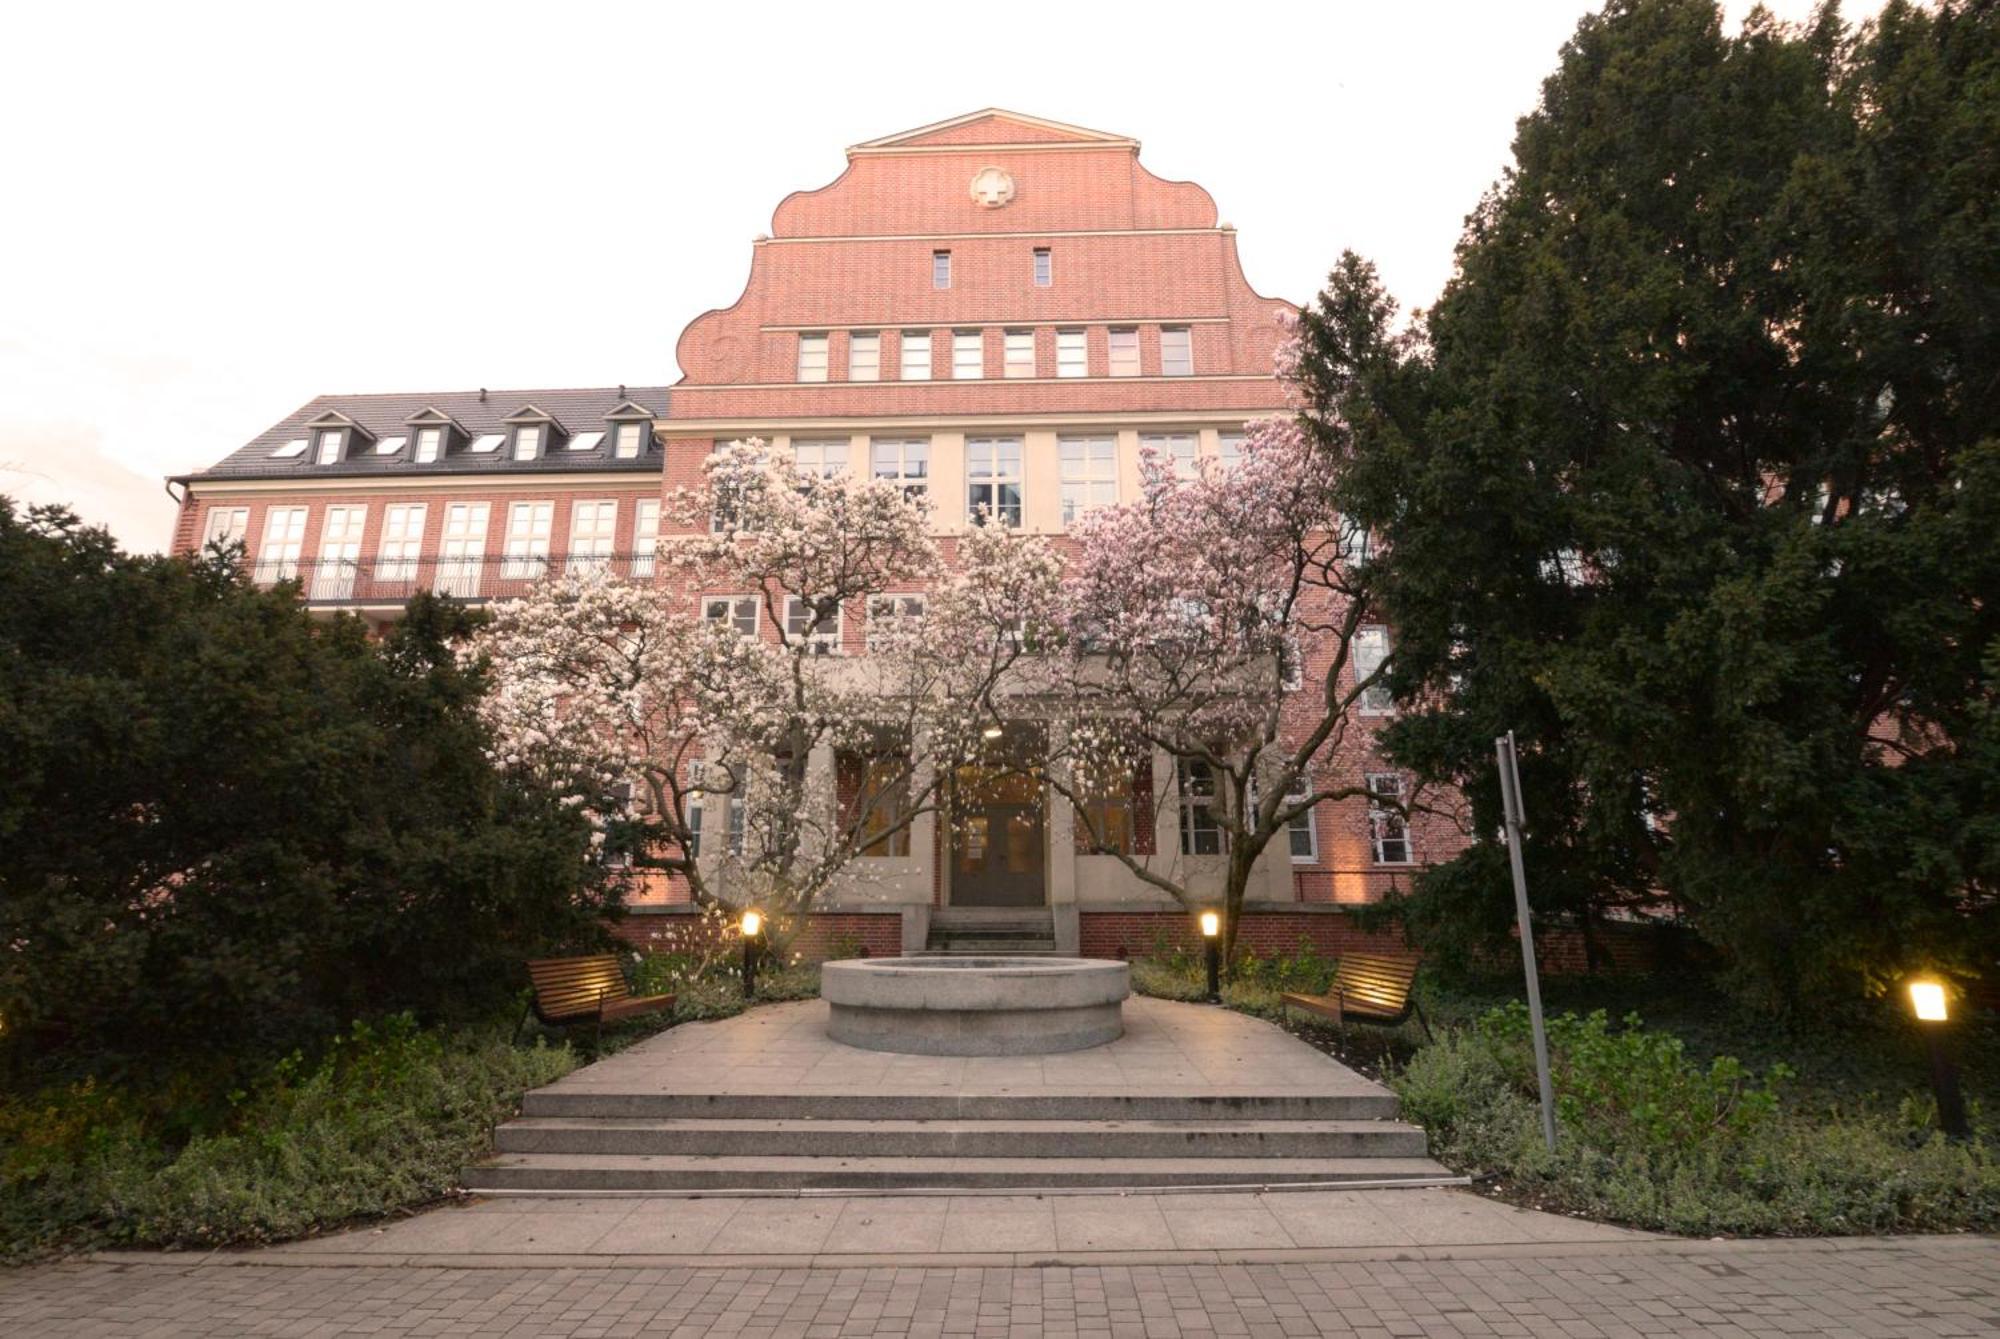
x,y
1214,972
1944,1084
1510,800
749,966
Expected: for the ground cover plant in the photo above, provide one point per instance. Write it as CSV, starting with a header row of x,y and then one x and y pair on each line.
x,y
1680,1108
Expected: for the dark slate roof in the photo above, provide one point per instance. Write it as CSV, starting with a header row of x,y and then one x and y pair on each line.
x,y
478,412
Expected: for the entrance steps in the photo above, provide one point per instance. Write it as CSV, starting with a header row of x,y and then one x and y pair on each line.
x,y
574,1141
992,931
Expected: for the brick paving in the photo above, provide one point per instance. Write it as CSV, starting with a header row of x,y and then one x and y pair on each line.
x,y
1893,1287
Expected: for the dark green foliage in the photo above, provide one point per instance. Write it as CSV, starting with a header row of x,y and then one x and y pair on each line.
x,y
385,1120
1653,1137
228,829
1691,479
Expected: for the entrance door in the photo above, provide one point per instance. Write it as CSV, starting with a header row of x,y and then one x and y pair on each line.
x,y
999,855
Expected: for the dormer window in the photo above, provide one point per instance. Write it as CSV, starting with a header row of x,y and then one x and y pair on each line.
x,y
527,441
433,434
335,436
534,433
327,452
430,442
626,439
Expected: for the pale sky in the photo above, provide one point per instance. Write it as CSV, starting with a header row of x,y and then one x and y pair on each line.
x,y
211,213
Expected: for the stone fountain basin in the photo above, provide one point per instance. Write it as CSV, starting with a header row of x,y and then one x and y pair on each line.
x,y
975,1006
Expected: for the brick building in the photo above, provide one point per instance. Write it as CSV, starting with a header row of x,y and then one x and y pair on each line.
x,y
997,309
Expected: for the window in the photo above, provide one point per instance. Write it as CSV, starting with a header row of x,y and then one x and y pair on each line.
x,y
402,541
1107,798
284,533
1201,832
645,535
940,269
1124,352
1229,449
891,616
329,446
1356,546
527,547
1089,474
812,357
864,356
389,446
593,532
879,785
1371,648
738,821
429,442
584,441
916,345
1020,353
738,611
291,450
818,633
1072,356
1176,450
339,553
627,439
820,460
694,808
461,551
1303,835
487,443
968,355
1388,828
527,441
993,480
225,526
1045,269
1176,351
909,463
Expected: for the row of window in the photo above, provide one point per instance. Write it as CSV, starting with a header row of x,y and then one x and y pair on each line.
x,y
522,441
461,548
914,361
1043,268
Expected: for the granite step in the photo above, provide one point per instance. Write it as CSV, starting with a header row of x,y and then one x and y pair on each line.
x,y
966,1138
577,1100
568,1173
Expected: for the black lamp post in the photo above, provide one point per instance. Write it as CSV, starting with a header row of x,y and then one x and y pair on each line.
x,y
753,927
1930,1003
1211,935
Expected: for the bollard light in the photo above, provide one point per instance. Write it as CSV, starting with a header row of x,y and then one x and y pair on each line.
x,y
753,926
1211,934
1931,1004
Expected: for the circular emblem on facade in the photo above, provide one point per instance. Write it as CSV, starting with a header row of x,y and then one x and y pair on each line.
x,y
992,187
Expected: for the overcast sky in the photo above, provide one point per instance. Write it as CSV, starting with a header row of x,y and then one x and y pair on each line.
x,y
211,214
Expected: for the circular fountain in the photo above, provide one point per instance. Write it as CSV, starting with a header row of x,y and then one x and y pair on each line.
x,y
975,1006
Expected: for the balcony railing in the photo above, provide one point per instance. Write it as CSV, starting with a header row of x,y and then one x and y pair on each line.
x,y
486,576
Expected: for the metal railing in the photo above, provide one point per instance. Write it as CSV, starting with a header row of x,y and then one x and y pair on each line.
x,y
382,580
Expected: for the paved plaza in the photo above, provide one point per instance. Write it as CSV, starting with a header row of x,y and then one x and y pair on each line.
x,y
1896,1287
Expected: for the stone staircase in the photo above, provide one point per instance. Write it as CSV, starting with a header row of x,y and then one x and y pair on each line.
x,y
580,1141
992,931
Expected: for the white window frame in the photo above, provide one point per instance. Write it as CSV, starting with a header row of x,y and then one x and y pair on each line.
x,y
1072,353
1371,648
968,355
1194,802
1018,353
430,445
225,525
913,353
1088,469
338,560
739,824
628,439
734,610
940,269
401,543
902,454
327,447
528,440
893,608
280,544
1181,450
864,355
462,549
1176,351
525,551
1045,267
1229,449
820,457
1302,824
1382,822
1124,338
818,641
993,480
645,536
592,546
812,356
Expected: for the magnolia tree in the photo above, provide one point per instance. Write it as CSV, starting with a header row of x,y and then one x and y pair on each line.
x,y
741,732
1216,622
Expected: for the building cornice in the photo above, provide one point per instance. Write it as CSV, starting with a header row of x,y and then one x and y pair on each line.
x,y
1222,229
569,480
998,323
1203,378
920,424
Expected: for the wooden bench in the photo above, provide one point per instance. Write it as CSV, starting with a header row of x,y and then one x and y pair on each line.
x,y
1367,988
592,990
